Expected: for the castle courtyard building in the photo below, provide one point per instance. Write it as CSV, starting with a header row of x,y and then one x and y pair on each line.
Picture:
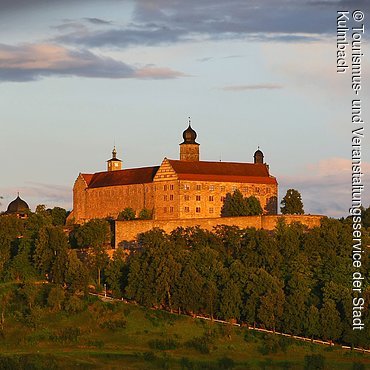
x,y
187,188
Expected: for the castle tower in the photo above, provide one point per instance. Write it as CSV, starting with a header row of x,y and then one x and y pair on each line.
x,y
189,149
114,164
258,156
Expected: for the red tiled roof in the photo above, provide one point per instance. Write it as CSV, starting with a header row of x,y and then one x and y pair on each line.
x,y
222,171
122,177
87,177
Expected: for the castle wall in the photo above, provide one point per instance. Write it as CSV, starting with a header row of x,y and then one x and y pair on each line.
x,y
79,200
126,231
109,201
204,199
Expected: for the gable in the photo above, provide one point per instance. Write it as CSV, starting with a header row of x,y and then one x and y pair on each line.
x,y
165,172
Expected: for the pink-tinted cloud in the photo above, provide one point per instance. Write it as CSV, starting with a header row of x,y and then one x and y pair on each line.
x,y
326,186
158,73
36,193
28,62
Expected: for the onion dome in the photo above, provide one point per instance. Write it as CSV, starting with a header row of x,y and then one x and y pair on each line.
x,y
114,155
189,135
18,206
258,156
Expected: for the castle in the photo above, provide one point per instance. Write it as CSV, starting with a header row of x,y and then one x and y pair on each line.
x,y
177,189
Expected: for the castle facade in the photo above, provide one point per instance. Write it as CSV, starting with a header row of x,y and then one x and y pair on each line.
x,y
177,189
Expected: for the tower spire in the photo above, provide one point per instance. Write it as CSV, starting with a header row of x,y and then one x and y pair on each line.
x,y
189,148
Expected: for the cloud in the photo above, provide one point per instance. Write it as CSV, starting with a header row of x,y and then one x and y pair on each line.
x,y
326,186
29,62
251,87
147,35
164,22
38,193
98,21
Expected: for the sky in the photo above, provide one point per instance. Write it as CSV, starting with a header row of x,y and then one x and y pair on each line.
x,y
78,77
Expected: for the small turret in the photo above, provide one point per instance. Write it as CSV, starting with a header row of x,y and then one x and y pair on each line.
x,y
258,156
189,148
114,164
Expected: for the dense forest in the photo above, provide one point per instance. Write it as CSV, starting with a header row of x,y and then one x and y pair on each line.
x,y
292,279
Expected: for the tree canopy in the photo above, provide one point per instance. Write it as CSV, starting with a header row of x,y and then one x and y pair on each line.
x,y
236,205
292,203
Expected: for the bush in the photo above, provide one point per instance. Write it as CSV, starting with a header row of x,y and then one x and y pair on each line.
x,y
314,362
113,324
358,366
73,304
127,214
67,335
163,344
270,344
226,363
145,214
149,356
201,344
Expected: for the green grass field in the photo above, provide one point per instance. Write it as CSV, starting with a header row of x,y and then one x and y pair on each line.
x,y
125,336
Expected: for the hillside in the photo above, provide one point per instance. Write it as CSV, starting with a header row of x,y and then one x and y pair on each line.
x,y
125,336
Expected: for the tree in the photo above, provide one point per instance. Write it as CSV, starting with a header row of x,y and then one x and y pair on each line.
x,y
253,206
50,254
292,203
366,217
127,214
145,214
58,216
236,205
55,298
331,325
116,272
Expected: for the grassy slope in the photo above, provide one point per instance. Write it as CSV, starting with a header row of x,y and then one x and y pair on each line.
x,y
129,347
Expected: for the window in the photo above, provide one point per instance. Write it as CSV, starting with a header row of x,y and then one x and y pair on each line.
x,y
164,197
223,199
171,187
222,188
197,209
197,198
171,209
233,188
186,209
210,198
165,210
171,197
199,187
186,187
245,189
165,187
187,198
211,187
268,190
211,210
257,190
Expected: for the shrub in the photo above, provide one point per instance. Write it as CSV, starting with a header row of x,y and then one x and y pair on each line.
x,y
127,214
67,335
201,344
145,214
358,366
314,362
73,304
163,344
113,324
226,363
